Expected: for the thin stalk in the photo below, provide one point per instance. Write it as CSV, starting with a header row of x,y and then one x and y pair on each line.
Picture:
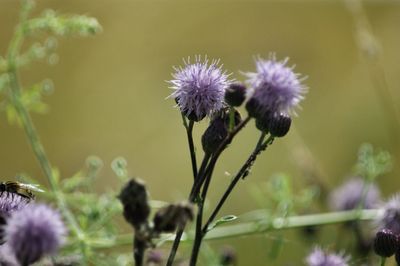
x,y
241,173
257,225
199,219
383,261
139,247
200,178
181,229
217,153
192,150
15,95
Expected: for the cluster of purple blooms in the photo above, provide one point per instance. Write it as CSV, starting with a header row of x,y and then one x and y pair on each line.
x,y
200,88
28,230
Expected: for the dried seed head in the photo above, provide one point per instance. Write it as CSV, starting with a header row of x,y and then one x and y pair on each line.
x,y
134,200
172,216
386,243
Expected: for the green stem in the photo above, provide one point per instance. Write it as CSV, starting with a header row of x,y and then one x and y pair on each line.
x,y
383,261
28,126
257,225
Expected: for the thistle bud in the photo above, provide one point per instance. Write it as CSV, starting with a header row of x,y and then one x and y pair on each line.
x,y
263,122
134,200
279,125
214,135
253,107
386,243
235,94
170,217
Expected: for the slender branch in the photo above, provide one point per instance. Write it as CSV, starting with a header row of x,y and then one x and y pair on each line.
x,y
257,225
217,153
241,173
15,95
199,219
189,132
139,247
179,233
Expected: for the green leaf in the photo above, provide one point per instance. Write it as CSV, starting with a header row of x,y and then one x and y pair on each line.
x,y
223,220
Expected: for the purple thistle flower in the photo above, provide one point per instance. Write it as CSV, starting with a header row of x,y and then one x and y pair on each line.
x,y
349,195
199,87
34,232
7,257
391,216
276,88
9,203
318,257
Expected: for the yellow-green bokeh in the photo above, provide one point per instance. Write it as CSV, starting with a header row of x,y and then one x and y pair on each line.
x,y
110,94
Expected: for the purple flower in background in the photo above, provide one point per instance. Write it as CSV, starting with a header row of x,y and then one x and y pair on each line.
x,y
318,257
7,257
391,216
34,232
349,195
276,88
199,87
9,203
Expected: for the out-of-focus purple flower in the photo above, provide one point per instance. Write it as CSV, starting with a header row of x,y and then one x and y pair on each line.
x,y
391,216
9,203
348,196
276,88
34,232
199,87
318,257
7,257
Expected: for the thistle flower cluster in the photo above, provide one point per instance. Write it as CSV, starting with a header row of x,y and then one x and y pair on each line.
x,y
29,230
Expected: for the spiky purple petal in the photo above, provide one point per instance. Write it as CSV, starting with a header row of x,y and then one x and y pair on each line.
x,y
199,88
276,88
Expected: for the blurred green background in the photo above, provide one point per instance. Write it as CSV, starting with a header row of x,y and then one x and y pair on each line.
x,y
110,95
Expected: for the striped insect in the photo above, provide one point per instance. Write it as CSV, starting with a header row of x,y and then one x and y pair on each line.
x,y
22,189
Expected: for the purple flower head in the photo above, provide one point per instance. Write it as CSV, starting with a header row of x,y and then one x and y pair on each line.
x,y
318,257
199,87
7,257
276,88
349,195
391,216
34,232
9,203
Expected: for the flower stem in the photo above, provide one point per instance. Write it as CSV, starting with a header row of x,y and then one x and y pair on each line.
x,y
192,150
383,261
241,173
